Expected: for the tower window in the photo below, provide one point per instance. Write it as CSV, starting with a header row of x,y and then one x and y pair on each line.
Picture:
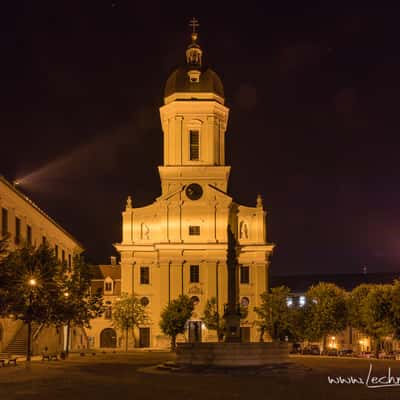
x,y
194,230
194,274
144,275
4,221
244,274
194,139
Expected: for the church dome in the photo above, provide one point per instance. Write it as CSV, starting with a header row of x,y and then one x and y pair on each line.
x,y
180,81
193,77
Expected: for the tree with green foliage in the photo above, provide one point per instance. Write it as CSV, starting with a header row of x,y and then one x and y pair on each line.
x,y
212,318
128,313
356,306
30,286
174,317
274,315
76,304
325,311
371,311
395,309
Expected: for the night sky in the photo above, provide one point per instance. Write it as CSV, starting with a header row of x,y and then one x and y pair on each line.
x,y
314,121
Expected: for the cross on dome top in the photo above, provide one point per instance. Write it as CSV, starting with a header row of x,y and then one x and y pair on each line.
x,y
193,52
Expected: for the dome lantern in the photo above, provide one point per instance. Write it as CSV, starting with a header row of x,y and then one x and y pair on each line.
x,y
193,77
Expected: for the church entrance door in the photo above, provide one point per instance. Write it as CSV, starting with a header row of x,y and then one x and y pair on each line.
x,y
245,333
144,337
194,331
108,338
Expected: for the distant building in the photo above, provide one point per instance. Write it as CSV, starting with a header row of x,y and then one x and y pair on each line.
x,y
107,280
350,338
25,223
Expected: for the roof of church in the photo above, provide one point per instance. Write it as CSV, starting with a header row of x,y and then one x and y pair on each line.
x,y
301,283
187,78
179,81
102,271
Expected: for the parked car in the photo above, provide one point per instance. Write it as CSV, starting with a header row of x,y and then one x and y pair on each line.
x,y
346,353
296,348
330,352
366,354
387,355
312,350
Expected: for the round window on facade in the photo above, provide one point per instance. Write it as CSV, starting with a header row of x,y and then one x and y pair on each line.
x,y
144,301
245,302
195,300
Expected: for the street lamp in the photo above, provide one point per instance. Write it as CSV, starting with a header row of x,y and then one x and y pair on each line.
x,y
66,296
32,284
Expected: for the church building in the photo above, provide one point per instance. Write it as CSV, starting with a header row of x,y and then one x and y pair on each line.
x,y
178,244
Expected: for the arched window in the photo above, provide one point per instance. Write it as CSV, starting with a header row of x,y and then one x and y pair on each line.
x,y
195,300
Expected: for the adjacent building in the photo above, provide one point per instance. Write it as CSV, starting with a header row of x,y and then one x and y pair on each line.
x,y
26,224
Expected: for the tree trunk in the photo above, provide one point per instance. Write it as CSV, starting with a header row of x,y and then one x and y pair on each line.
x,y
68,335
29,342
377,347
324,343
262,331
126,339
173,343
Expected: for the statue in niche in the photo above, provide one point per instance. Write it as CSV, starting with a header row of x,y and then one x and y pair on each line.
x,y
145,233
243,230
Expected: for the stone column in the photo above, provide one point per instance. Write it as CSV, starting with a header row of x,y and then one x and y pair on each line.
x,y
232,309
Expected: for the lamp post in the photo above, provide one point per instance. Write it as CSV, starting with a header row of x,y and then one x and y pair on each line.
x,y
66,296
32,284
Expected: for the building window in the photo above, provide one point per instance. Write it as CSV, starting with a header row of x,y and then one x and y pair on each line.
x,y
108,286
29,235
44,240
302,301
63,256
289,301
194,230
17,230
4,221
69,262
195,300
194,139
108,310
56,251
194,274
144,301
244,274
144,275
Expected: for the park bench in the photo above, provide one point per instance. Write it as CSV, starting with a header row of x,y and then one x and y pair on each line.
x,y
7,359
49,356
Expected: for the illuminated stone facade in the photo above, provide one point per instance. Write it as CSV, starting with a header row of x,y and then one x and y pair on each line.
x,y
178,244
26,223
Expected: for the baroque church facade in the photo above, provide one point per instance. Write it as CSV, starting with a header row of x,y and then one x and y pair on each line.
x,y
178,244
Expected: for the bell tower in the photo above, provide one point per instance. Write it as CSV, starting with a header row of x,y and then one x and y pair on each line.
x,y
194,120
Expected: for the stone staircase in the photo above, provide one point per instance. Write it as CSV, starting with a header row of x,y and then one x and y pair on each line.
x,y
18,345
